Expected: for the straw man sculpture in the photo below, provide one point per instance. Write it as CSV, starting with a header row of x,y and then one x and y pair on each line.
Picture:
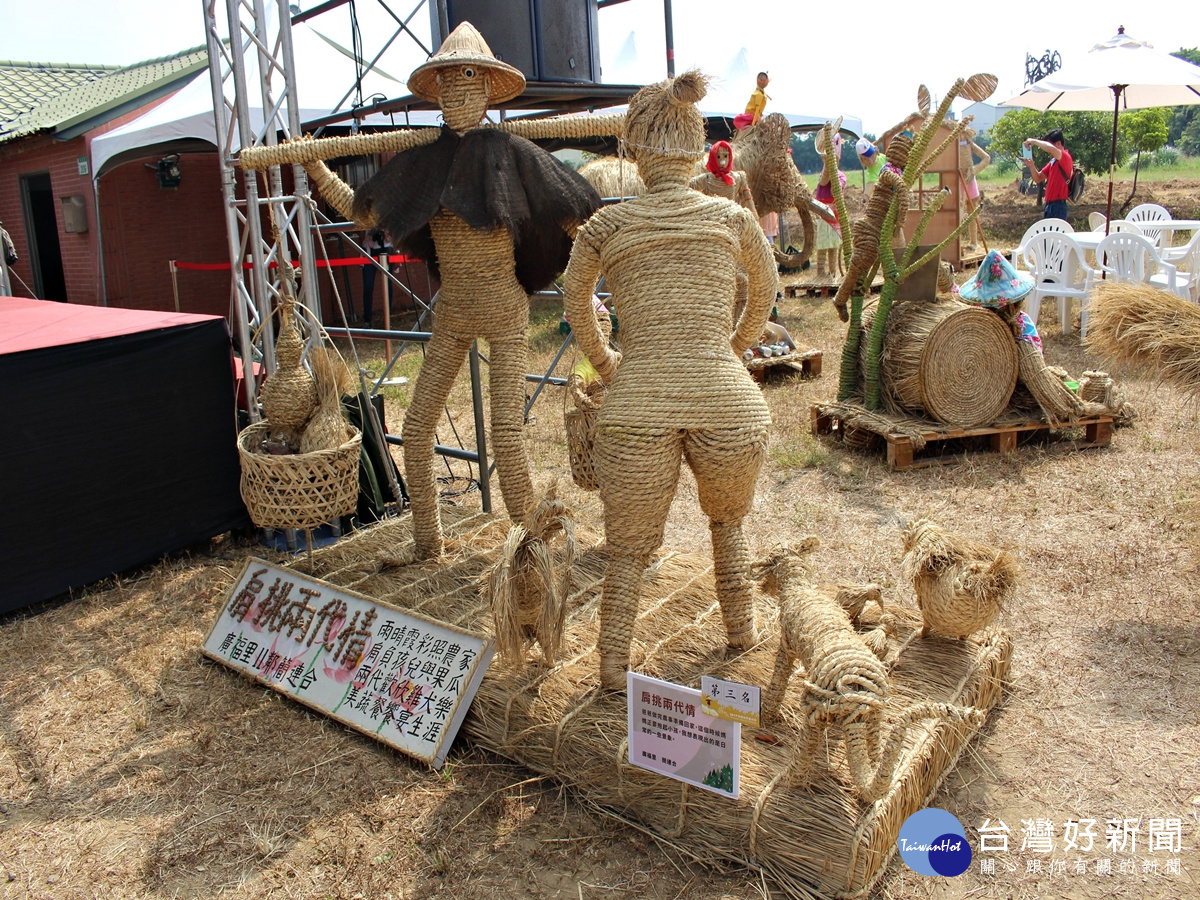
x,y
680,390
492,214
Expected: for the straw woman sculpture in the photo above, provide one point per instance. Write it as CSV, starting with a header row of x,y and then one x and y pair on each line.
x,y
490,212
669,258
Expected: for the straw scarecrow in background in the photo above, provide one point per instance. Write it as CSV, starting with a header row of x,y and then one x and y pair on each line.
x,y
670,256
492,214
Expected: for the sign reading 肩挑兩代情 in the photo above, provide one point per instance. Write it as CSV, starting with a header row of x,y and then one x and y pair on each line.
x,y
397,676
669,733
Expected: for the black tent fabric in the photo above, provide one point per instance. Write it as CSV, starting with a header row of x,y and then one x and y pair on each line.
x,y
116,451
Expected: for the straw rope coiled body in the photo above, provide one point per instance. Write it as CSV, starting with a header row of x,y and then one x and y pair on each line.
x,y
669,257
960,584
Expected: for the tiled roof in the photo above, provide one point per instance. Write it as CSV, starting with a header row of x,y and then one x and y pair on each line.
x,y
48,96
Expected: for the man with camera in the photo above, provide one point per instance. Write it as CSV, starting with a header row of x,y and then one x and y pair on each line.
x,y
1056,173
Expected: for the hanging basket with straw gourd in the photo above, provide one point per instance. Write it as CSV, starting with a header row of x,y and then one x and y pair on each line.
x,y
580,422
297,490
283,489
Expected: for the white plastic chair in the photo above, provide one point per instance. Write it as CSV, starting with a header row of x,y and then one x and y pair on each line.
x,y
1187,271
1059,270
1062,226
1132,257
1096,221
1146,214
1175,254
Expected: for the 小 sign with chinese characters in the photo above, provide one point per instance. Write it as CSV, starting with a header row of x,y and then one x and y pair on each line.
x,y
399,677
731,700
670,733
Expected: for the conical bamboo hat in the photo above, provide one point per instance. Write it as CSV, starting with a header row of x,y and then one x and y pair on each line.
x,y
465,46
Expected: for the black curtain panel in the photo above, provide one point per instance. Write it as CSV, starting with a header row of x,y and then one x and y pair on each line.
x,y
115,452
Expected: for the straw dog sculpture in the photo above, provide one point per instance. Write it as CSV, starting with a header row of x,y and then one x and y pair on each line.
x,y
846,684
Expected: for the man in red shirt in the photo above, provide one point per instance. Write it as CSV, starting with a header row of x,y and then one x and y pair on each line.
x,y
1055,173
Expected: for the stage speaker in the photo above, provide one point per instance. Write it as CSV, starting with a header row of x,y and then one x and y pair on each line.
x,y
548,40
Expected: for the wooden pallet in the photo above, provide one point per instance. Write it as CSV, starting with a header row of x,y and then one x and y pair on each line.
x,y
941,442
807,363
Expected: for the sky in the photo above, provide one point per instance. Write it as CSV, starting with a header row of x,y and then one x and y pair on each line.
x,y
862,60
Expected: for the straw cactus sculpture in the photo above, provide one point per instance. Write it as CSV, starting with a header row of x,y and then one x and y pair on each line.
x,y
846,683
877,241
670,257
489,212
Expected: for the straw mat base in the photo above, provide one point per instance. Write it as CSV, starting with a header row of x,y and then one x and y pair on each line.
x,y
814,839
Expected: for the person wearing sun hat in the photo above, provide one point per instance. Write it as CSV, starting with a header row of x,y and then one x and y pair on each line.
x,y
997,285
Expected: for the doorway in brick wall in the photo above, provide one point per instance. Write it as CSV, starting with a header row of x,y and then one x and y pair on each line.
x,y
41,229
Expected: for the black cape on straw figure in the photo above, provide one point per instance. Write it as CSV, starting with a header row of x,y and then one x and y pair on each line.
x,y
488,179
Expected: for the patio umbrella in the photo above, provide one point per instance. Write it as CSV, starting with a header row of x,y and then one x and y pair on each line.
x,y
1121,73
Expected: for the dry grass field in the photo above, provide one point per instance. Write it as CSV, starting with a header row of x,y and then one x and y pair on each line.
x,y
130,767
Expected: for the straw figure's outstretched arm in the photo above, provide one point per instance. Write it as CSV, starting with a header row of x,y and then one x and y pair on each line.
x,y
304,150
579,281
565,127
758,260
337,193
985,158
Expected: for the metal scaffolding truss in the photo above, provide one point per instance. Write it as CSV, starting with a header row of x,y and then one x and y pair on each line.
x,y
252,72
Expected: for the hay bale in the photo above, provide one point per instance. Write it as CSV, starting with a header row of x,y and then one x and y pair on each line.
x,y
955,361
1146,328
613,176
813,840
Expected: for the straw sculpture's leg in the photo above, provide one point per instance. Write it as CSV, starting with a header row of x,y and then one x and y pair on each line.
x,y
638,473
507,366
726,463
785,665
443,358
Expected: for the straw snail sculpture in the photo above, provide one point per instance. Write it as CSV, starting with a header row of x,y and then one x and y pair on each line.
x,y
493,214
670,256
960,584
846,683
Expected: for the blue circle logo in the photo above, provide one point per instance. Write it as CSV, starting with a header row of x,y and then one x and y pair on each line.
x,y
933,842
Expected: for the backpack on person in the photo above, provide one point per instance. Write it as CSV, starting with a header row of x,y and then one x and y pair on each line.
x,y
1075,183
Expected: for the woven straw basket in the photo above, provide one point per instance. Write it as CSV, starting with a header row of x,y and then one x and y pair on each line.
x,y
580,423
301,490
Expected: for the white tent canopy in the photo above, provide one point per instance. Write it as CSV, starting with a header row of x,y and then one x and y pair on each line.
x,y
324,76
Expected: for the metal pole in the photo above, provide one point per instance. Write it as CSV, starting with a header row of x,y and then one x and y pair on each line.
x,y
242,298
100,241
1112,156
485,482
667,21
174,282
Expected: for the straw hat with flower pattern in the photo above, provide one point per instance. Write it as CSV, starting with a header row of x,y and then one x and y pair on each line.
x,y
465,47
996,284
